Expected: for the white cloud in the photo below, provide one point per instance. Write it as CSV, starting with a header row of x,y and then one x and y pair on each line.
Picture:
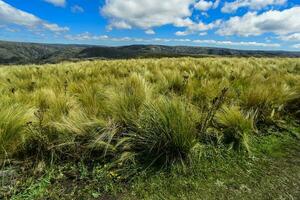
x,y
149,32
89,37
60,3
198,27
54,27
182,40
12,30
77,9
252,23
86,36
148,14
11,15
291,37
297,46
181,33
230,43
204,5
145,14
230,7
216,4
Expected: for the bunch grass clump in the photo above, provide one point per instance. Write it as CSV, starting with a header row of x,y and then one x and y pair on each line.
x,y
293,102
124,104
13,127
237,126
166,131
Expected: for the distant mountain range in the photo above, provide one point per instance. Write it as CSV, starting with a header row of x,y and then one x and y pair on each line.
x,y
26,53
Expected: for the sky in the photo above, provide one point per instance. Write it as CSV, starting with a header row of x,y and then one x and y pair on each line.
x,y
238,24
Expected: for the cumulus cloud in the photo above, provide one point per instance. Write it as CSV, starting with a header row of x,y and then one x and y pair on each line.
x,y
149,32
204,5
77,9
12,30
86,36
253,24
297,46
90,37
148,14
59,3
291,37
194,27
145,14
230,7
153,13
230,43
54,27
11,15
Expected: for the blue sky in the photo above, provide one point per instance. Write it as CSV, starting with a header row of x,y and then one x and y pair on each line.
x,y
239,24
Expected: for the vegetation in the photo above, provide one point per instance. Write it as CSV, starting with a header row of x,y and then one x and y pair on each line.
x,y
110,129
29,53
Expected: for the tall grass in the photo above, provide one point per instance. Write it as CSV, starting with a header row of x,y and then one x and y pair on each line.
x,y
141,109
237,126
13,124
167,131
293,102
125,102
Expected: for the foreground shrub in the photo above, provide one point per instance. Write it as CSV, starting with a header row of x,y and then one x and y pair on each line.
x,y
166,132
236,126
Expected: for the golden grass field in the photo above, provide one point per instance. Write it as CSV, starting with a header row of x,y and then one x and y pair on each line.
x,y
145,112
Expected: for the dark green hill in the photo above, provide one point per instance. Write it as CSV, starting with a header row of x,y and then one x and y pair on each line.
x,y
20,53
24,53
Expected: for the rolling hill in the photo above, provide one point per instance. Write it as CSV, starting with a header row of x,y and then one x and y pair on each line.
x,y
26,53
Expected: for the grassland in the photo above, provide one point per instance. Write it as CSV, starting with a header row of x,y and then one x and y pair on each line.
x,y
184,128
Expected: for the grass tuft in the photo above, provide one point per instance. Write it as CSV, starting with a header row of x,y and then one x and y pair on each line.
x,y
166,132
237,126
13,124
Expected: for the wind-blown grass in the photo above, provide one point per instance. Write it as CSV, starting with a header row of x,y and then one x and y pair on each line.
x,y
141,108
237,126
13,124
166,131
125,102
